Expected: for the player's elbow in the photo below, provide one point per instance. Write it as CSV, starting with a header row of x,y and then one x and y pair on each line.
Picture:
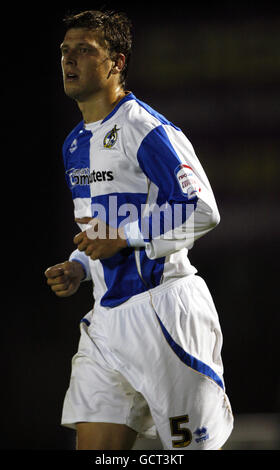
x,y
214,218
207,215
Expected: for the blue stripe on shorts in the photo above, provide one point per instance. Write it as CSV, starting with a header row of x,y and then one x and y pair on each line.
x,y
189,360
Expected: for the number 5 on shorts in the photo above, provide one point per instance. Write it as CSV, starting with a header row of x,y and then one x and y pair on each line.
x,y
176,430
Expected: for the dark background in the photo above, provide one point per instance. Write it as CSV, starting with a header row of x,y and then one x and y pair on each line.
x,y
214,71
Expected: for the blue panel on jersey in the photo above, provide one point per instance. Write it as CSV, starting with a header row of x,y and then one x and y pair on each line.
x,y
76,161
159,160
151,270
120,271
69,139
190,360
121,277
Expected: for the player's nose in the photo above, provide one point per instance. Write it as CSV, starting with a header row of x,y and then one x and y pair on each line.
x,y
69,58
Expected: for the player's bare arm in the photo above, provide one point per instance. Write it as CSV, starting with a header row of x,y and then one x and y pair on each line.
x,y
64,278
99,241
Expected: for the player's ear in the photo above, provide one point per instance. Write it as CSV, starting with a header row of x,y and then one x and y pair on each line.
x,y
118,63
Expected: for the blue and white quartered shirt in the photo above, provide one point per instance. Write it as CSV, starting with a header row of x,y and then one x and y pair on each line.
x,y
138,170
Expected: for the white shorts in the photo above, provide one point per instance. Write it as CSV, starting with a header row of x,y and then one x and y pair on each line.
x,y
154,364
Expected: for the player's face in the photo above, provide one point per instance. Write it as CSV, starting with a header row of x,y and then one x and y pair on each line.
x,y
85,63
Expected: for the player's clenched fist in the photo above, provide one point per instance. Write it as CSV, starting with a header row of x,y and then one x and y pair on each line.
x,y
64,279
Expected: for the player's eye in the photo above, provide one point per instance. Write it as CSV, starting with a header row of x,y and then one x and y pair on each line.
x,y
63,50
83,50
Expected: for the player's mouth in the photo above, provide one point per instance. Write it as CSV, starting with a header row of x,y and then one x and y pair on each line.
x,y
71,77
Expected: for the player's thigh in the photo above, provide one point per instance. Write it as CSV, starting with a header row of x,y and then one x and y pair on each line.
x,y
105,436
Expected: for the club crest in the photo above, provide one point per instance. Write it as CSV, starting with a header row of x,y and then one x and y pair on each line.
x,y
111,138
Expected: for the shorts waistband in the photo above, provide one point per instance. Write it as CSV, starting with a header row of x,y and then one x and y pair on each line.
x,y
147,295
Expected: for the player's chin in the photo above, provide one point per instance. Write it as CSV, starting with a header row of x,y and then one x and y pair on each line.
x,y
72,91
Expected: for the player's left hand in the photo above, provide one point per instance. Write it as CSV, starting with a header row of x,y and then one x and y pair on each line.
x,y
99,241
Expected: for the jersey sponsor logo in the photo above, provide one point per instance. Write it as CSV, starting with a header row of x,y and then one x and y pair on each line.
x,y
83,176
202,434
111,138
187,181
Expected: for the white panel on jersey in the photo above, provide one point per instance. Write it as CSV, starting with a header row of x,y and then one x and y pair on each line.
x,y
82,207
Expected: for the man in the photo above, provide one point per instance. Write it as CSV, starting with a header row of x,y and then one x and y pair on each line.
x,y
149,356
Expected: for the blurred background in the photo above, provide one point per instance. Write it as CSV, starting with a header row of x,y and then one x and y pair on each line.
x,y
214,71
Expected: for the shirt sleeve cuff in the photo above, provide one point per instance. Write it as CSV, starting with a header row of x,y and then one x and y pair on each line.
x,y
133,235
81,258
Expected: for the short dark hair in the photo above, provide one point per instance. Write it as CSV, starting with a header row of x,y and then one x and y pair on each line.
x,y
116,28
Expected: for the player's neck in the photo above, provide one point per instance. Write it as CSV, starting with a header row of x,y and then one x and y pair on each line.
x,y
99,105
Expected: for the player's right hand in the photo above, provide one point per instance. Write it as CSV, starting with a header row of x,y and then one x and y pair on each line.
x,y
64,279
